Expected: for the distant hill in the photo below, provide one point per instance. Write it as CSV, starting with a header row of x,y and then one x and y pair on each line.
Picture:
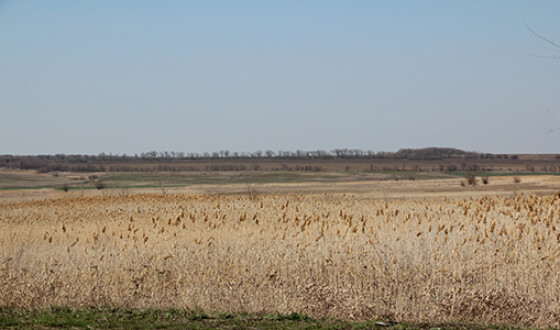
x,y
434,153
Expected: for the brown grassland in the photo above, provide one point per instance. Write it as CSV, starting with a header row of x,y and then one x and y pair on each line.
x,y
416,251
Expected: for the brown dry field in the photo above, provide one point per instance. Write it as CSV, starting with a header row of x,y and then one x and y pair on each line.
x,y
412,251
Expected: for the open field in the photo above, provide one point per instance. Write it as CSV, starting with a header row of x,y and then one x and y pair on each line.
x,y
347,171
16,185
409,250
18,179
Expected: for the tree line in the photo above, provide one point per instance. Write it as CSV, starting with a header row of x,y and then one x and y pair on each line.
x,y
181,161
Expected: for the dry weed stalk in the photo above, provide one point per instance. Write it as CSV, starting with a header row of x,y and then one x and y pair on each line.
x,y
490,259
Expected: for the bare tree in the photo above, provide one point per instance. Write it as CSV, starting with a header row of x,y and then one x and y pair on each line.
x,y
546,40
556,57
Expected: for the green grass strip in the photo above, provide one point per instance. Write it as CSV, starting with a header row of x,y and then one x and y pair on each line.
x,y
116,318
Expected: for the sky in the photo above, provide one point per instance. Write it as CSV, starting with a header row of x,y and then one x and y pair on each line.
x,y
86,77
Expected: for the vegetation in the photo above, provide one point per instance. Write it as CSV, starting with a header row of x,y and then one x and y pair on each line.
x,y
487,260
471,179
416,160
98,318
76,181
99,184
62,317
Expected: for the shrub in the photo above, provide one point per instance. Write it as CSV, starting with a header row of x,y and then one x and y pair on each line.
x,y
471,179
516,179
100,185
485,179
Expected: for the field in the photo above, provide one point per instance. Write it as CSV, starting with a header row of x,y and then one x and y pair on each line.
x,y
411,251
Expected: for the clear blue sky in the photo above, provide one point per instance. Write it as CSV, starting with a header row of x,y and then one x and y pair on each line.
x,y
193,76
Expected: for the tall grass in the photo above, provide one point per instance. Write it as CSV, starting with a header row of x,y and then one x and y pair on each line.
x,y
491,259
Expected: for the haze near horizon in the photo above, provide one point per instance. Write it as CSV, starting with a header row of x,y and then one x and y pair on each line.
x,y
132,76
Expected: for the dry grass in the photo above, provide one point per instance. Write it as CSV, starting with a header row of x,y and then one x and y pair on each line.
x,y
489,259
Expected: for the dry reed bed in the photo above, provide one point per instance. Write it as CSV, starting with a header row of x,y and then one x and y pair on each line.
x,y
492,259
